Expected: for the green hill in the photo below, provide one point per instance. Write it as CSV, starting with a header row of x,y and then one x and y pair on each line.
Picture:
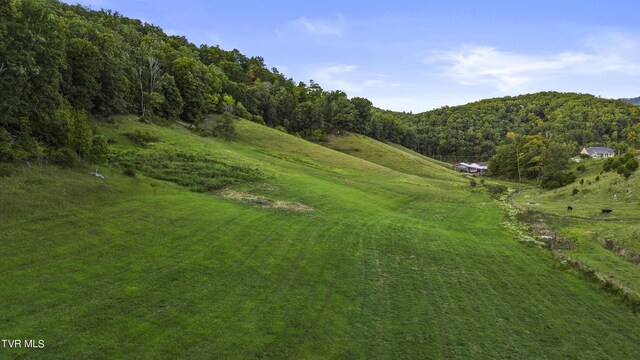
x,y
270,246
390,155
472,131
633,101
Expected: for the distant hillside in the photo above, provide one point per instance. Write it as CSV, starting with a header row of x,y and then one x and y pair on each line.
x,y
633,101
473,131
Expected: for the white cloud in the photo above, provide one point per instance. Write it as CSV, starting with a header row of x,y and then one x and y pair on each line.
x,y
348,78
508,71
282,68
397,103
321,26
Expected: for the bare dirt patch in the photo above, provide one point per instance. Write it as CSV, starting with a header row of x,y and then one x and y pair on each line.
x,y
264,201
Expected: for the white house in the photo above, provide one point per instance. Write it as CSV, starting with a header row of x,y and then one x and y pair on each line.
x,y
598,152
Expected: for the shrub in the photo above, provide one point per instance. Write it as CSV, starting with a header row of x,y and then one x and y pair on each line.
x,y
631,164
575,191
581,168
99,148
496,189
219,126
581,181
65,157
6,169
258,119
129,171
242,112
557,180
6,146
473,183
598,178
141,138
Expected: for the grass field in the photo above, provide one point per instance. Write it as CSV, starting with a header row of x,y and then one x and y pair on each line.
x,y
587,227
396,261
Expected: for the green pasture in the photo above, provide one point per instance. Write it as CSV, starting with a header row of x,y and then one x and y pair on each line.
x,y
400,259
587,227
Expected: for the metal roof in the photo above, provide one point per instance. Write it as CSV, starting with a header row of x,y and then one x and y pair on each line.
x,y
599,150
474,166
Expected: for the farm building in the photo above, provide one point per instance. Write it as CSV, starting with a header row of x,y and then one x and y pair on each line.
x,y
597,152
474,169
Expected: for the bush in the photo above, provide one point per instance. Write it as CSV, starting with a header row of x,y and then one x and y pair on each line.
x,y
99,148
581,181
631,164
317,135
473,183
65,157
6,169
141,138
496,189
258,119
219,126
575,191
598,178
225,129
6,146
129,171
557,180
581,168
242,112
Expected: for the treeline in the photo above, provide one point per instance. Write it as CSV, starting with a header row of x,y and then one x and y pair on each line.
x,y
533,157
473,131
60,63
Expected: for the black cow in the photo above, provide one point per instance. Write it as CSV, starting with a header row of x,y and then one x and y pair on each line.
x,y
607,211
569,208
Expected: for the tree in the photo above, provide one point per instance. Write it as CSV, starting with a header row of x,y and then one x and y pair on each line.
x,y
191,88
84,62
343,114
363,114
148,73
530,156
505,162
172,105
555,161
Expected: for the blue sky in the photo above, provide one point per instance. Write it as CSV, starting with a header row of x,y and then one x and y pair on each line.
x,y
420,55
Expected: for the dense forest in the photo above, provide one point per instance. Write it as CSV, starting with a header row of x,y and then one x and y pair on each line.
x,y
61,65
473,131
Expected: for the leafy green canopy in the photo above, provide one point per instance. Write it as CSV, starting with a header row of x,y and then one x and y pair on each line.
x,y
58,59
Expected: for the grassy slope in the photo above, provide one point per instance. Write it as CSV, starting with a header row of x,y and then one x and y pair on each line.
x,y
392,156
586,225
390,265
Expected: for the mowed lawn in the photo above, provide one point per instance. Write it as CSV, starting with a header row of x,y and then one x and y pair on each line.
x,y
390,265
